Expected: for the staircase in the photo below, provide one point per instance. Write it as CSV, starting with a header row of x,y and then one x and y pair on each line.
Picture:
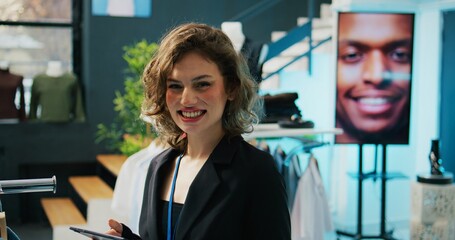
x,y
296,57
310,75
90,203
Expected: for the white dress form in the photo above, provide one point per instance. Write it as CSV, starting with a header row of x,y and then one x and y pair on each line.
x,y
4,65
234,31
54,69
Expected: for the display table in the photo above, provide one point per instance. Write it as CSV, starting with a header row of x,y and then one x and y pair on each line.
x,y
432,211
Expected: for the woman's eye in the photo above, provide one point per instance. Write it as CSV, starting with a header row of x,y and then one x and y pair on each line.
x,y
202,84
174,86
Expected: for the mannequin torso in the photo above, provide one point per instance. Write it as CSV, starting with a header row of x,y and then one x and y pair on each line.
x,y
252,51
58,96
9,85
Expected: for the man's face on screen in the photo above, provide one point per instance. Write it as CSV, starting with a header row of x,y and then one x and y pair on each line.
x,y
374,70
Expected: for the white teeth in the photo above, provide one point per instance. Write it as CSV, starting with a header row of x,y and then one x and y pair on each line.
x,y
191,114
373,101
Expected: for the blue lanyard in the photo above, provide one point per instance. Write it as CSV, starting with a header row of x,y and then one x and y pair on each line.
x,y
171,200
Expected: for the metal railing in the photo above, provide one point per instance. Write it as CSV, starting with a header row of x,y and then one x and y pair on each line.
x,y
28,185
306,54
254,10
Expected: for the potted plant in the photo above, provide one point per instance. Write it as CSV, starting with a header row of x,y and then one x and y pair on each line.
x,y
128,134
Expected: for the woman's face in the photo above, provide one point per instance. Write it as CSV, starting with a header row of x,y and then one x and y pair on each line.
x,y
196,95
374,68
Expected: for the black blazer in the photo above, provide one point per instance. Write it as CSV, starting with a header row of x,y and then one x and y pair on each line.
x,y
237,194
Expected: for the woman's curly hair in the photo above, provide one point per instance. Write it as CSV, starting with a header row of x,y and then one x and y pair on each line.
x,y
240,113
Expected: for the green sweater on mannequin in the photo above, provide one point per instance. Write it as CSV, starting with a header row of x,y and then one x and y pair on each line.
x,y
58,98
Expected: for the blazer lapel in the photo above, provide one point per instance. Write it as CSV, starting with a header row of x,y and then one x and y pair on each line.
x,y
155,196
204,185
202,188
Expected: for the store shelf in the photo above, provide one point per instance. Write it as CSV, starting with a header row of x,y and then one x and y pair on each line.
x,y
273,130
375,176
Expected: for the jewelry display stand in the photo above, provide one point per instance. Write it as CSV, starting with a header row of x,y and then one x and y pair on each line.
x,y
437,174
361,176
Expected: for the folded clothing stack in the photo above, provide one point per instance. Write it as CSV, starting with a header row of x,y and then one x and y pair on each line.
x,y
280,107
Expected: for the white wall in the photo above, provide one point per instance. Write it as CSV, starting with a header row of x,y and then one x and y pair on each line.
x,y
316,100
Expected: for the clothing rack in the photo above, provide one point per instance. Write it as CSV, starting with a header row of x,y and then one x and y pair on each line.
x,y
306,147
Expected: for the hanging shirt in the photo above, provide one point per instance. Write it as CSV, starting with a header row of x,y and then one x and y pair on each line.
x,y
291,174
59,99
310,215
290,170
129,187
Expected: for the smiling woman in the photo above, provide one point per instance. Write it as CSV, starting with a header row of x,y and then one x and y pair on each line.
x,y
374,77
211,183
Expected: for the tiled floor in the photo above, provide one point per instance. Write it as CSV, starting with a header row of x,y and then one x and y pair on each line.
x,y
42,231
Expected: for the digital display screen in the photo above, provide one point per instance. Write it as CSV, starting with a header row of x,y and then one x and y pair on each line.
x,y
373,80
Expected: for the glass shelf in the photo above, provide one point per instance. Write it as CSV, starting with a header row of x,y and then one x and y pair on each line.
x,y
375,176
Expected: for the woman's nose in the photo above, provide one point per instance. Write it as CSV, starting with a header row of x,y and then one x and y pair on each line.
x,y
188,97
376,69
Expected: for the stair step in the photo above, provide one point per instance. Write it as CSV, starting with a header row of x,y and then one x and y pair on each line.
x,y
90,187
317,22
62,211
112,162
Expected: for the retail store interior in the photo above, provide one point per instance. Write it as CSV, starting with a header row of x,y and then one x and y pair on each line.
x,y
70,157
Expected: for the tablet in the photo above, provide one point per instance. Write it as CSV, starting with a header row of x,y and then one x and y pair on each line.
x,y
96,235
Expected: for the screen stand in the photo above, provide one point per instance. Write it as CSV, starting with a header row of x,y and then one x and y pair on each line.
x,y
384,234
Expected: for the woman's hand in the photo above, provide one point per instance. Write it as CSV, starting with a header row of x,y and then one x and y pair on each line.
x,y
116,228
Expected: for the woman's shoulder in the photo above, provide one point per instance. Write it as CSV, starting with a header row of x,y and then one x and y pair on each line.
x,y
254,157
257,165
252,150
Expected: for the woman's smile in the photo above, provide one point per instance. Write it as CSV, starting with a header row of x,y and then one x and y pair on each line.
x,y
191,116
